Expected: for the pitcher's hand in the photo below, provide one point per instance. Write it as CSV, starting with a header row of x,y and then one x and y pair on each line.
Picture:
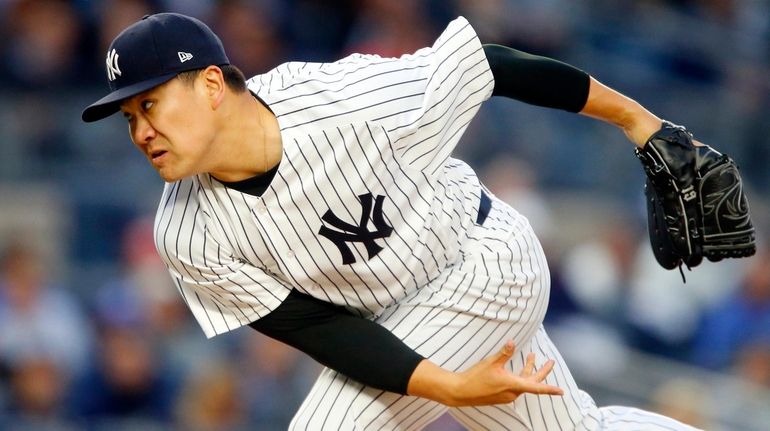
x,y
485,383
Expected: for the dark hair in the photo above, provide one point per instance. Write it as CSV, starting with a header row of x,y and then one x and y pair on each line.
x,y
234,78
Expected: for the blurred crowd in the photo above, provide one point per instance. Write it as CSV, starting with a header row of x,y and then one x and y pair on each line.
x,y
93,334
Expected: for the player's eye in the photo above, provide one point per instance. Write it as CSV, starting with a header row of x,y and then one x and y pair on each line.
x,y
146,105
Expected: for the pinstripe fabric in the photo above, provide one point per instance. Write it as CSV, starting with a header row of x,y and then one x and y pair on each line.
x,y
497,290
363,126
573,411
367,210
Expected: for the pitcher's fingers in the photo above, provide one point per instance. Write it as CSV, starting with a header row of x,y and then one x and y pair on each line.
x,y
544,389
504,354
529,366
541,389
543,372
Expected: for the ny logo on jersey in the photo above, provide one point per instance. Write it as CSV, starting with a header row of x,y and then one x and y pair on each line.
x,y
351,233
113,71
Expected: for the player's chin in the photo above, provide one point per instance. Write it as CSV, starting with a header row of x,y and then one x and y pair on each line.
x,y
170,175
173,169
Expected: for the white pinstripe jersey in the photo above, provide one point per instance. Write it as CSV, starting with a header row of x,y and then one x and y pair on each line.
x,y
366,205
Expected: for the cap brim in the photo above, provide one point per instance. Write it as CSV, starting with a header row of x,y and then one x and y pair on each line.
x,y
110,103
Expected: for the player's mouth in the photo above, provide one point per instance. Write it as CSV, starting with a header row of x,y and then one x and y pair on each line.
x,y
157,156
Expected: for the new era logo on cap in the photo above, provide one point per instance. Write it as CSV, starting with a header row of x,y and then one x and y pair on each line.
x,y
184,56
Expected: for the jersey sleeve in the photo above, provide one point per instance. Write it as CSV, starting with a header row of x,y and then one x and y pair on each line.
x,y
424,100
457,81
222,291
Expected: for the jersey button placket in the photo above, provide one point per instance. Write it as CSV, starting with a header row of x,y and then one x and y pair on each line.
x,y
261,208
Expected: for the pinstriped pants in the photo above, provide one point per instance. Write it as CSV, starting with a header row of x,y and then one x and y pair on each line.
x,y
498,291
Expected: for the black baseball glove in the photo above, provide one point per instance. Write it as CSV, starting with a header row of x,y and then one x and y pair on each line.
x,y
695,202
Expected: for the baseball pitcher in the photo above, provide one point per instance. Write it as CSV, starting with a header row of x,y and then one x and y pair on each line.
x,y
318,203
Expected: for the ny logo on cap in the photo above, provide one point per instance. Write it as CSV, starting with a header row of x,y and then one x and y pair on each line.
x,y
184,56
112,65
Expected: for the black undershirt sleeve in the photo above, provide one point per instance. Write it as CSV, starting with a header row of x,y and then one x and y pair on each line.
x,y
354,346
537,80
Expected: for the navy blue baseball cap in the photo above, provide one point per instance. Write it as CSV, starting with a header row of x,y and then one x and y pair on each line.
x,y
153,51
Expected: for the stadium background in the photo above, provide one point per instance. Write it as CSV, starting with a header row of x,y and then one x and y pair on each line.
x,y
93,336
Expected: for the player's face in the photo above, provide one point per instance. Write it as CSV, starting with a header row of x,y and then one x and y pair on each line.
x,y
172,126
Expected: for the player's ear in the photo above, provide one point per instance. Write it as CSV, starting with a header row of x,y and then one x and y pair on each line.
x,y
213,85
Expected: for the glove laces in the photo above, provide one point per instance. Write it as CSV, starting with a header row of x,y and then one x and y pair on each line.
x,y
681,271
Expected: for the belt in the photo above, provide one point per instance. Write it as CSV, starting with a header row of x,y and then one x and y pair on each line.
x,y
485,205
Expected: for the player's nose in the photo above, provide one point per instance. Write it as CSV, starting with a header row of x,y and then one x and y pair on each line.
x,y
143,132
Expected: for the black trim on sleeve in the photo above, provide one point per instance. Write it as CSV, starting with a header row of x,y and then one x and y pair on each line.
x,y
537,80
359,348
